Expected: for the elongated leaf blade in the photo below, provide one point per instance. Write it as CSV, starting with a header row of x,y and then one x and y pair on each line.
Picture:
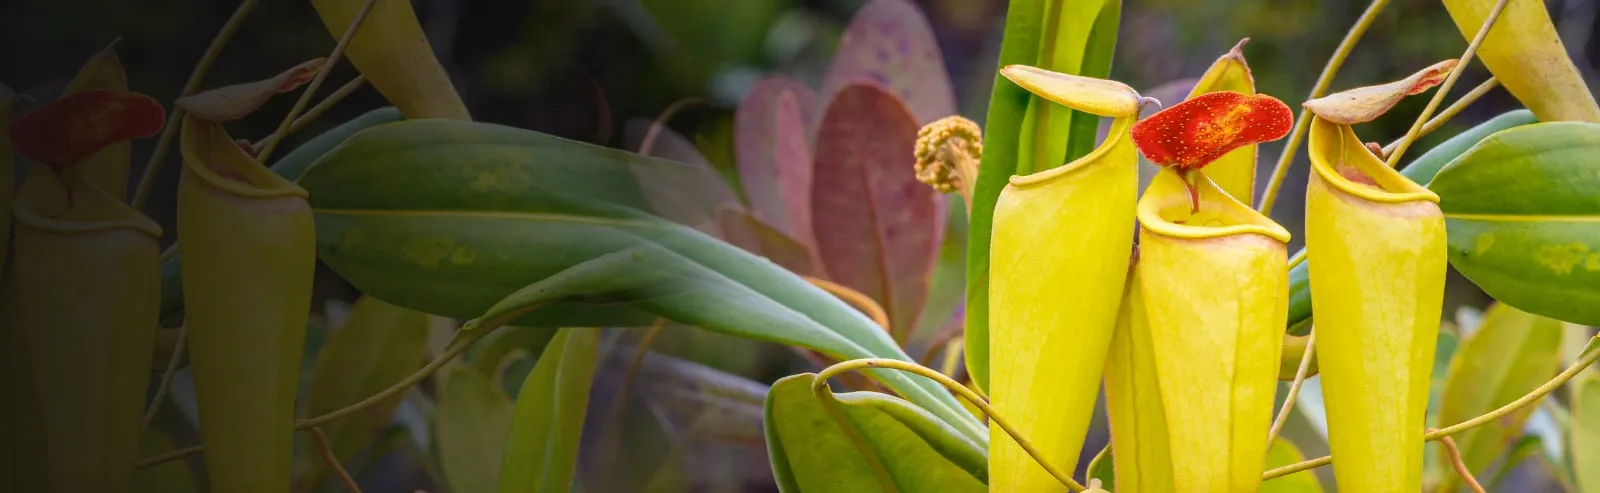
x,y
1585,432
379,345
877,227
1510,354
890,42
1523,220
1524,51
548,420
454,218
471,425
889,441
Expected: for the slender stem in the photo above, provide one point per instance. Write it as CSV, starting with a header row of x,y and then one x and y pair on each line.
x,y
1297,259
157,156
333,461
166,378
1302,124
1294,388
1449,81
861,301
1588,358
167,457
1459,466
820,386
660,123
315,111
316,82
611,436
1449,111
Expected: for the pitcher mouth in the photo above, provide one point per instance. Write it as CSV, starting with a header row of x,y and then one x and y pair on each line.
x,y
1168,208
42,203
212,155
1118,136
1340,159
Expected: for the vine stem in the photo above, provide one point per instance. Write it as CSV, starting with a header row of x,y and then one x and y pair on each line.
x,y
1449,112
1303,123
164,143
1588,358
333,462
820,387
858,299
660,123
166,378
1459,466
316,82
1294,389
315,112
456,347
1449,81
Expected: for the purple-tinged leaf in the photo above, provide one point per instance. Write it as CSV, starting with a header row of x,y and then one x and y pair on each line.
x,y
891,43
756,236
689,194
773,154
877,227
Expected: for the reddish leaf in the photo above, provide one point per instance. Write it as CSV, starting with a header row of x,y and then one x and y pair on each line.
x,y
761,238
774,160
69,129
877,227
1196,132
890,42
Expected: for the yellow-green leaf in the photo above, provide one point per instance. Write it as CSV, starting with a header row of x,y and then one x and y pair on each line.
x,y
1282,453
1235,171
470,429
548,421
1585,432
379,345
391,51
1510,354
1525,53
107,168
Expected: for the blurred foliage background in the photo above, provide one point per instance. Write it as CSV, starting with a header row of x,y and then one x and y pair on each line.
x,y
582,68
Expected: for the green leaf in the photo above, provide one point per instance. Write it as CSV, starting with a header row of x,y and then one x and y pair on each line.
x,y
291,166
491,355
471,425
1510,354
1523,219
1103,468
1024,133
888,440
451,217
548,422
380,344
1422,170
1282,453
1585,431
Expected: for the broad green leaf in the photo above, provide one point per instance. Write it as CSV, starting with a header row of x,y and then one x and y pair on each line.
x,y
548,421
470,429
889,440
1024,134
1585,432
169,477
1509,355
1422,170
1523,219
379,345
291,166
450,218
1282,453
890,42
877,227
1524,51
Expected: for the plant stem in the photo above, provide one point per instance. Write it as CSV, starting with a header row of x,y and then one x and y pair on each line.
x,y
1459,466
315,111
1588,358
1449,81
860,301
820,387
650,136
1294,389
167,457
1302,124
157,156
333,461
1449,111
316,82
166,378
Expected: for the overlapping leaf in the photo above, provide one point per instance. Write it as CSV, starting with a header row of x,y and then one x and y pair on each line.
x,y
472,422
889,42
548,420
773,153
